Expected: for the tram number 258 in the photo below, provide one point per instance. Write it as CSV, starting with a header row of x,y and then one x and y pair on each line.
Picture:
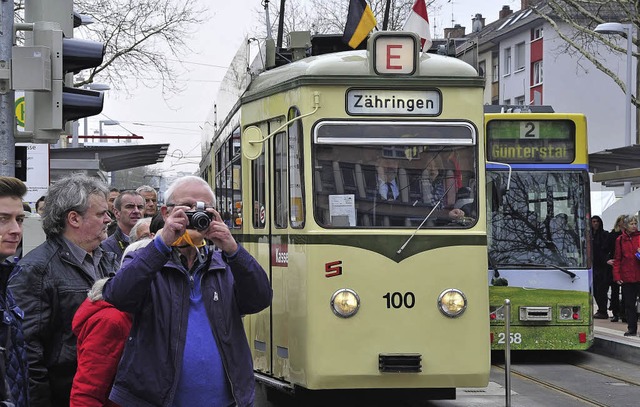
x,y
399,300
514,337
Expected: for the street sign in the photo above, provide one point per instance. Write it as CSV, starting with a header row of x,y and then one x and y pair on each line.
x,y
20,111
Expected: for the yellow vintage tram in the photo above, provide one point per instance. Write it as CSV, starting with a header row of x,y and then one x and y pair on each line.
x,y
356,178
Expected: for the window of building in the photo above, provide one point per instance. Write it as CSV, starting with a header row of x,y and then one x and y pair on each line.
x,y
537,73
536,33
519,101
482,68
520,56
495,69
507,61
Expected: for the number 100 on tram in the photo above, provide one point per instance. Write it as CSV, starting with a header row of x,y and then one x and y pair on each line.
x,y
360,177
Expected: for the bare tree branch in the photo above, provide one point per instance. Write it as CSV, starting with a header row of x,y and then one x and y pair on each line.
x,y
139,36
582,16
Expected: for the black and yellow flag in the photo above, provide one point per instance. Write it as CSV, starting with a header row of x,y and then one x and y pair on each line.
x,y
360,22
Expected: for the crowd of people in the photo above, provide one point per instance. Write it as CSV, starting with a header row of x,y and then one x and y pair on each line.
x,y
125,303
616,269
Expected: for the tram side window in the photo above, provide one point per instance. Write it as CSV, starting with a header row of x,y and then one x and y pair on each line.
x,y
258,191
280,184
228,183
296,172
219,182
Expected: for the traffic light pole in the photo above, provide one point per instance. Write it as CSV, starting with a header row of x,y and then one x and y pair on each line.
x,y
7,96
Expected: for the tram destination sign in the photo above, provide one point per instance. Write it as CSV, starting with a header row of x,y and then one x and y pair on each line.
x,y
527,141
370,102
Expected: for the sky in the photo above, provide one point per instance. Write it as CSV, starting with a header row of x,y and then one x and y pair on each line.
x,y
179,120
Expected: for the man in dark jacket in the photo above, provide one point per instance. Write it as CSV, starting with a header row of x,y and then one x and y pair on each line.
x,y
128,208
187,345
601,273
14,382
55,279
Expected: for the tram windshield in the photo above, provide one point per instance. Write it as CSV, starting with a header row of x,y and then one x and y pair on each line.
x,y
390,174
540,220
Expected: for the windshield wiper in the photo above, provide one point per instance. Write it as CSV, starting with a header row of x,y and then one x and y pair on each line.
x,y
564,270
425,219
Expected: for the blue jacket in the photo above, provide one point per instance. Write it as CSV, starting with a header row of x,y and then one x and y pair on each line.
x,y
15,371
116,243
154,287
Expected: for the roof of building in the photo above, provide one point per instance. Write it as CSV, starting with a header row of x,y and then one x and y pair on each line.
x,y
108,158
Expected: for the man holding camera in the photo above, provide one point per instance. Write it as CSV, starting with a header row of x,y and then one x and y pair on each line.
x,y
187,344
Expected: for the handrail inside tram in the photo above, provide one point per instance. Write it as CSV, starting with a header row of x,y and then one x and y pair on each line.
x,y
252,136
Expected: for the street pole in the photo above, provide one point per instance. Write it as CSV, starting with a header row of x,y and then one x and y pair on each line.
x,y
629,142
7,95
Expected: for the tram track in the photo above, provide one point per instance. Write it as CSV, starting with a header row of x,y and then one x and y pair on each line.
x,y
607,374
568,392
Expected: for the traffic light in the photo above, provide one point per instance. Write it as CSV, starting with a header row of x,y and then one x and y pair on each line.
x,y
78,54
48,110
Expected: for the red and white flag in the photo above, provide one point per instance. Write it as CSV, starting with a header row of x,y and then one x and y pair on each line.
x,y
418,22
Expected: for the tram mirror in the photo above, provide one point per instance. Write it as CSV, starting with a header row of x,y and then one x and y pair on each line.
x,y
251,142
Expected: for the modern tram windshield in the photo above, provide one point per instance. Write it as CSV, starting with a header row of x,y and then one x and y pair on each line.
x,y
390,174
540,220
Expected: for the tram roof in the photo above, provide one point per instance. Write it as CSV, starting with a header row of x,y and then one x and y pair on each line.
x,y
351,65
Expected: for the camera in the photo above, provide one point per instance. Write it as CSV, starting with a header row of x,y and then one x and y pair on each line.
x,y
199,218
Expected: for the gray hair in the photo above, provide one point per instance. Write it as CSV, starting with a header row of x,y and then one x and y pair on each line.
x,y
95,293
133,235
146,188
139,244
70,193
628,219
189,179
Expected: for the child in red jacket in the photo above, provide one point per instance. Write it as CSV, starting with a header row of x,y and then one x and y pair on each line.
x,y
101,330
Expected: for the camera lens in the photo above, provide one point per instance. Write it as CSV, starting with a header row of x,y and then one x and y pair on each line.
x,y
200,220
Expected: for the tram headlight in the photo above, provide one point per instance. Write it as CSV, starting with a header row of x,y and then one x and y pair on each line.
x,y
566,313
452,303
345,303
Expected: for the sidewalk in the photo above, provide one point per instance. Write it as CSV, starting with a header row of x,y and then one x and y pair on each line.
x,y
609,341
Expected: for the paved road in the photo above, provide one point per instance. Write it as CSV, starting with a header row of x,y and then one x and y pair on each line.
x,y
540,379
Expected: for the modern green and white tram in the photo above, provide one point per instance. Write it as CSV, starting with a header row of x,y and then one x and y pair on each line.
x,y
352,178
539,230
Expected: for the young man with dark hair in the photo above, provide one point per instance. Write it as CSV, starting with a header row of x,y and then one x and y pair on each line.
x,y
14,382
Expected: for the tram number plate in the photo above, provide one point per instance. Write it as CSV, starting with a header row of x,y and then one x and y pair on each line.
x,y
514,337
400,300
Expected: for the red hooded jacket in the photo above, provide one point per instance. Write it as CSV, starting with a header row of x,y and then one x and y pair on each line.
x,y
626,266
102,331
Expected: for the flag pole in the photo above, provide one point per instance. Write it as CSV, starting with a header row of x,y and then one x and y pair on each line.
x,y
385,22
